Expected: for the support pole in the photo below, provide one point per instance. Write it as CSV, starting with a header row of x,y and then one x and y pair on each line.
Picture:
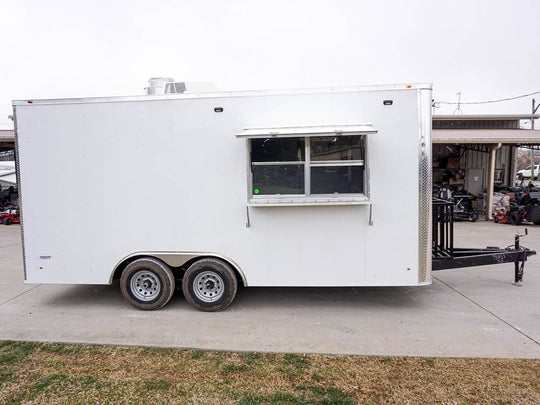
x,y
533,111
534,108
532,164
513,165
491,179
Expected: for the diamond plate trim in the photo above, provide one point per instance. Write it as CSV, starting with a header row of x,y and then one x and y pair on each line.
x,y
424,187
19,186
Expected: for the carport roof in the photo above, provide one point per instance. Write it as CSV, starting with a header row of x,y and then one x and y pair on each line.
x,y
485,117
7,135
486,136
7,138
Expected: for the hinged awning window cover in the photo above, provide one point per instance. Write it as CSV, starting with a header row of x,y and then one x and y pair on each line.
x,y
323,130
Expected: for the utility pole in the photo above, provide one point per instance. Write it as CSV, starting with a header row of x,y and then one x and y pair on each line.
x,y
534,108
458,108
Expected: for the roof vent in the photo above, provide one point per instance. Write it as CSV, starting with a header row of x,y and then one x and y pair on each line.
x,y
164,85
175,87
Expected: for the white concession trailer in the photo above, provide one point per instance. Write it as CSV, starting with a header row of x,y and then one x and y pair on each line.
x,y
320,187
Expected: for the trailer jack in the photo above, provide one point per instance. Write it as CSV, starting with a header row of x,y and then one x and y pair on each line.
x,y
519,266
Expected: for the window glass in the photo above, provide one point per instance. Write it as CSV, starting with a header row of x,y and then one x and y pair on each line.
x,y
337,148
337,179
277,150
335,165
278,179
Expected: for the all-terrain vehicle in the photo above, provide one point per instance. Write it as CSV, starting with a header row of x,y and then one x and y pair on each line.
x,y
527,208
10,216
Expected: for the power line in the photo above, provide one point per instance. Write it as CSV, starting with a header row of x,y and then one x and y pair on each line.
x,y
487,101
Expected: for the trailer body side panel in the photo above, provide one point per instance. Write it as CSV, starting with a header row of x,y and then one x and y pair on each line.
x,y
102,180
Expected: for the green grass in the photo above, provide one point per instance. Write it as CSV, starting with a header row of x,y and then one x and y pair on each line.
x,y
14,352
40,373
48,381
293,365
196,354
302,395
430,362
250,358
235,368
156,384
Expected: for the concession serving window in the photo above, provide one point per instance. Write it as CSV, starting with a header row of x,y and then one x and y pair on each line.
x,y
323,165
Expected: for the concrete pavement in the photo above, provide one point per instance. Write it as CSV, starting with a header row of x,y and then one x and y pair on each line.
x,y
465,313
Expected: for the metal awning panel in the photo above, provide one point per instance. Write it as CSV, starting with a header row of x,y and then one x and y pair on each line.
x,y
322,130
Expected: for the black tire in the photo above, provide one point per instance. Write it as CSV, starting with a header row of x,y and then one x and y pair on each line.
x,y
147,283
6,221
210,285
536,222
515,218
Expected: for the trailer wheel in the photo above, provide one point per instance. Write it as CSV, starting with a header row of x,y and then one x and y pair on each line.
x,y
147,283
210,285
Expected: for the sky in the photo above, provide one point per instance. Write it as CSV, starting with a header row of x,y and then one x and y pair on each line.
x,y
483,49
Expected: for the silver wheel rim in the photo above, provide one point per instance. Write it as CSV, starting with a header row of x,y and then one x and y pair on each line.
x,y
145,285
208,286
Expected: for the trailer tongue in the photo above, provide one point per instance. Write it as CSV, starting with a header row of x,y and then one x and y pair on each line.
x,y
445,256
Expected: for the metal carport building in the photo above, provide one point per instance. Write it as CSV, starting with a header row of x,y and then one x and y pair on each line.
x,y
484,146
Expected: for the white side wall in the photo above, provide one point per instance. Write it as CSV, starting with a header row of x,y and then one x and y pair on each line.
x,y
84,168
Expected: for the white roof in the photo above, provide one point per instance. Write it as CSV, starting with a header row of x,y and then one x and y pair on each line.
x,y
250,93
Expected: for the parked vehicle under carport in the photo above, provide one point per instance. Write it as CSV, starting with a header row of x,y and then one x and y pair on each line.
x,y
10,216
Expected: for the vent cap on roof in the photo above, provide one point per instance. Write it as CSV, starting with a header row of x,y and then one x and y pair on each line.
x,y
164,85
167,85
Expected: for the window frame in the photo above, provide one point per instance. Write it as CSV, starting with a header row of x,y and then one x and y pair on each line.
x,y
307,198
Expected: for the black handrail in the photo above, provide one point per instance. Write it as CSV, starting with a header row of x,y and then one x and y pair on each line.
x,y
443,228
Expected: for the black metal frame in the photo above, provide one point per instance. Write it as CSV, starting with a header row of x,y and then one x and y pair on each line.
x,y
446,256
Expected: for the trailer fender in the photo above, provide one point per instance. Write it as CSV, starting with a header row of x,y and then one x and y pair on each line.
x,y
175,260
